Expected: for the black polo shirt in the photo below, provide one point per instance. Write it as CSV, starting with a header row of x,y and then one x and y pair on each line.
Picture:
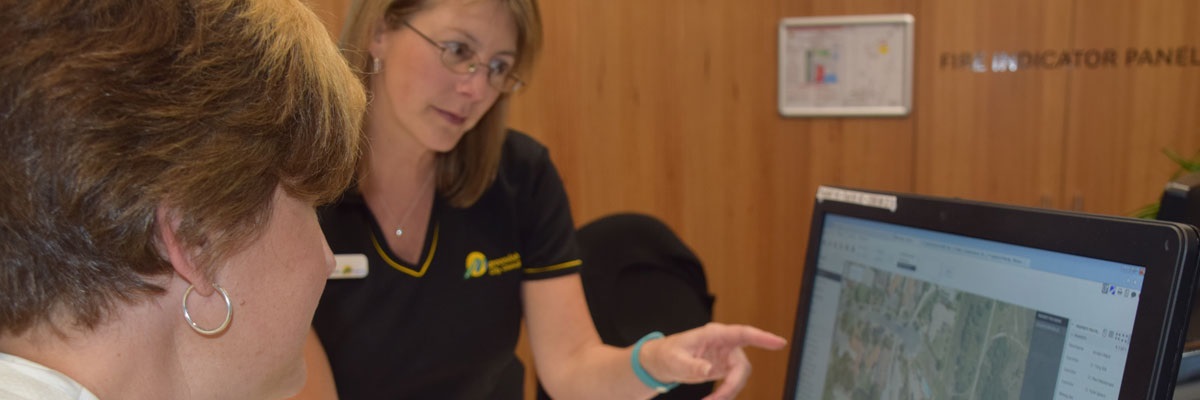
x,y
446,328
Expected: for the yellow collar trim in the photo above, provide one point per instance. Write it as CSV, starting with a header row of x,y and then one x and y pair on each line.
x,y
402,268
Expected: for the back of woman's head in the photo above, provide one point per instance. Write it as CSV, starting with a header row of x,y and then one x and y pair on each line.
x,y
111,109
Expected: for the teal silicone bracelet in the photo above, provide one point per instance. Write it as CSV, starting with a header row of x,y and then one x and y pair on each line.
x,y
641,372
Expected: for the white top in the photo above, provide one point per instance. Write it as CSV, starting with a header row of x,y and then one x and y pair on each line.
x,y
21,379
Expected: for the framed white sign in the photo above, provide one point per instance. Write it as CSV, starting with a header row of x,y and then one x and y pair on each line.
x,y
858,65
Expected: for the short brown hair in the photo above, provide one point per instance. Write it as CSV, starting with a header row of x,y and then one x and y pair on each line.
x,y
110,109
466,171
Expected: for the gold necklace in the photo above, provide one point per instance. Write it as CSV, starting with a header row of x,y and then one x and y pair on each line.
x,y
413,205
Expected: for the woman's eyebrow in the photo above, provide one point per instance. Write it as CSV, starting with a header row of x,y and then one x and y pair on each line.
x,y
475,42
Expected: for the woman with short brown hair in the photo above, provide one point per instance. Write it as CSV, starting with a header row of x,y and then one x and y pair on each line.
x,y
160,162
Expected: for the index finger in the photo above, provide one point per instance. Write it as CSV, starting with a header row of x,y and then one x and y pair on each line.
x,y
745,335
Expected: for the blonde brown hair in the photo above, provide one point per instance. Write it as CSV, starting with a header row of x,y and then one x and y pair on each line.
x,y
465,172
110,109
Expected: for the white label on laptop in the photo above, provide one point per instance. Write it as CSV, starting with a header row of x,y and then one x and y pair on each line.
x,y
349,266
876,200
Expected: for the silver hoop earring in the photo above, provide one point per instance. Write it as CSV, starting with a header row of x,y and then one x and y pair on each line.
x,y
376,65
228,312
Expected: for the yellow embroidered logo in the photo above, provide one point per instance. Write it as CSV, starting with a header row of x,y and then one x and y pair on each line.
x,y
478,264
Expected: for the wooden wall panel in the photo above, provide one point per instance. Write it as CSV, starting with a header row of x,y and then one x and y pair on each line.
x,y
990,135
333,12
1121,118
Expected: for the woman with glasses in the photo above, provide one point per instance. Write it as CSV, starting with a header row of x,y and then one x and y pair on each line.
x,y
459,228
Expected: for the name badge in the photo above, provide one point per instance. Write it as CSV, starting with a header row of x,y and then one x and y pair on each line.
x,y
349,266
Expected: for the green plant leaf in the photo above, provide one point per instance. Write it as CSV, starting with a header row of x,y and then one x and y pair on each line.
x,y
1185,165
1149,211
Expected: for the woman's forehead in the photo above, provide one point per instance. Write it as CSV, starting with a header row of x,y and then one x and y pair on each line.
x,y
488,22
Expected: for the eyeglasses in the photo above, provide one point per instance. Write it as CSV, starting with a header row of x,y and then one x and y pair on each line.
x,y
460,58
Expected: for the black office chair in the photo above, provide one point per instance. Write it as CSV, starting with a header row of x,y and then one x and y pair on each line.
x,y
639,277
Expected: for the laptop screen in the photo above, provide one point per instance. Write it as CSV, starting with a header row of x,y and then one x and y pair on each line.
x,y
921,298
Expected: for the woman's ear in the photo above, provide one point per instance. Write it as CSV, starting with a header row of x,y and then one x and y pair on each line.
x,y
180,257
378,37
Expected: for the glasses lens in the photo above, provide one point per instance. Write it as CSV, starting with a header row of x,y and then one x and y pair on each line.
x,y
505,83
458,57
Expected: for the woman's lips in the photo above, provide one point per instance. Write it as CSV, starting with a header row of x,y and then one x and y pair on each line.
x,y
451,117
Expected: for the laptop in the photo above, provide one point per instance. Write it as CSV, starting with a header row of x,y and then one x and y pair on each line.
x,y
916,297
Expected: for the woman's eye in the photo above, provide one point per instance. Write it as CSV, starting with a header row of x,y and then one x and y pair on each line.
x,y
459,50
500,67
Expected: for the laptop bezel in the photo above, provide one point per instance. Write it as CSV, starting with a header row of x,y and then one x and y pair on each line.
x,y
1167,250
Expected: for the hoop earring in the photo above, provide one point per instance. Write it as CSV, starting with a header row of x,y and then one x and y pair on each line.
x,y
209,332
376,65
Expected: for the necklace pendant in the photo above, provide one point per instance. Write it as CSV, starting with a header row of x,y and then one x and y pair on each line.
x,y
399,232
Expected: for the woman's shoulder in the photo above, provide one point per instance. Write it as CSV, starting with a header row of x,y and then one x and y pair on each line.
x,y
344,213
24,379
519,144
523,154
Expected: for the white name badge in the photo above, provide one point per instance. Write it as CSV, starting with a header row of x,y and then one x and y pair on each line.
x,y
349,266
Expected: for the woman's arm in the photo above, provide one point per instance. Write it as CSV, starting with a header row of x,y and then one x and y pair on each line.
x,y
572,362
